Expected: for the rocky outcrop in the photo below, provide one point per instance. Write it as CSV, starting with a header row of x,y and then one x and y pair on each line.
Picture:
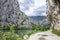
x,y
11,15
53,13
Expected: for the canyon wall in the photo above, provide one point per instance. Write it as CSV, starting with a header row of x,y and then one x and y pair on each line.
x,y
10,14
53,13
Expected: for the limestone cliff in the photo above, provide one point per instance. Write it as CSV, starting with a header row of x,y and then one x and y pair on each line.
x,y
11,15
53,13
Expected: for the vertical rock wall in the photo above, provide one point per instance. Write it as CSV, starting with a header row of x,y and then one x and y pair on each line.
x,y
53,13
10,14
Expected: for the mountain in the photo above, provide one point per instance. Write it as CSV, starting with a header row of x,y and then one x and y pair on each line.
x,y
39,20
10,14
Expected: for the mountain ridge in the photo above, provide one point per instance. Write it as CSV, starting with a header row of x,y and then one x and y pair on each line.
x,y
39,20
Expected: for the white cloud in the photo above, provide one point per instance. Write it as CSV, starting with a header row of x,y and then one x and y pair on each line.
x,y
30,6
20,1
43,14
39,3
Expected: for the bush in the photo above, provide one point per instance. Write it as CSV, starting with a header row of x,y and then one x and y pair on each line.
x,y
29,32
40,28
9,36
57,32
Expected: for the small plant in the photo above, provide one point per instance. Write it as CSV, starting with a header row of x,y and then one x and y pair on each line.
x,y
11,28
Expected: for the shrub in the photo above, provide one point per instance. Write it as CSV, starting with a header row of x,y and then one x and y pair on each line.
x,y
57,32
11,28
9,36
40,28
29,33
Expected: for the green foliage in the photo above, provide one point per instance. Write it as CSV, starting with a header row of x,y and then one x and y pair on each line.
x,y
36,28
11,28
40,28
1,35
12,36
57,32
29,32
23,28
9,36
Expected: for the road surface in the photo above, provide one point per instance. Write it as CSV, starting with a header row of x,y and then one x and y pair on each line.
x,y
47,35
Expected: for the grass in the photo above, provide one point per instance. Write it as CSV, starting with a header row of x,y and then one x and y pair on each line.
x,y
57,32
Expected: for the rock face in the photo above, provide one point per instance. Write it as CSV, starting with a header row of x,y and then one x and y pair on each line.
x,y
11,15
39,20
53,13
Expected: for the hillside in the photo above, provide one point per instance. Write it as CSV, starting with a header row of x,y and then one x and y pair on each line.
x,y
39,20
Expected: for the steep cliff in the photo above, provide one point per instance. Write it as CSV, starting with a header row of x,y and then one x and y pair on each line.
x,y
53,13
11,15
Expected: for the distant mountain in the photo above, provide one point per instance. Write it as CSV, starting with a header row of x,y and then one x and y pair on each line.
x,y
39,20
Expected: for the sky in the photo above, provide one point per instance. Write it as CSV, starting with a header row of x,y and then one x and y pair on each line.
x,y
33,7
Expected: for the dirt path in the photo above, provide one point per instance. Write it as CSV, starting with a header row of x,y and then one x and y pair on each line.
x,y
47,35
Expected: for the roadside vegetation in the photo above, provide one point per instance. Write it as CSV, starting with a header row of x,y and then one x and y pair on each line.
x,y
11,35
57,32
37,28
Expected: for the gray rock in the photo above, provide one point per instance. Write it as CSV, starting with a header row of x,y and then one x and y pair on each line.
x,y
10,14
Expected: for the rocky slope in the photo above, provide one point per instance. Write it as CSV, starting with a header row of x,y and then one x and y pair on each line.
x,y
39,20
53,13
11,15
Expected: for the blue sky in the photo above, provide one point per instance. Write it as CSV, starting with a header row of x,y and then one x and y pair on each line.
x,y
33,7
